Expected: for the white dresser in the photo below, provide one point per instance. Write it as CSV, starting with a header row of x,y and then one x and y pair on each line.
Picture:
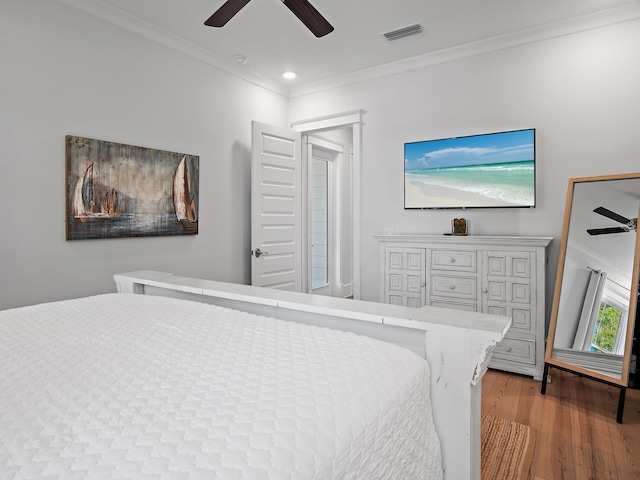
x,y
490,274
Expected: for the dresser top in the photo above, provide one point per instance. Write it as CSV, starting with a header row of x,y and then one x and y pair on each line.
x,y
466,240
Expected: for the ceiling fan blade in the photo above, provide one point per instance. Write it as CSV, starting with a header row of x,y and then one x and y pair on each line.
x,y
603,231
308,15
612,215
225,13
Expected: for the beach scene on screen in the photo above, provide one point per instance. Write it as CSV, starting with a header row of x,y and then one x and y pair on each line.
x,y
491,170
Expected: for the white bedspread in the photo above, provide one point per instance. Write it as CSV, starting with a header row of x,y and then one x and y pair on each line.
x,y
131,386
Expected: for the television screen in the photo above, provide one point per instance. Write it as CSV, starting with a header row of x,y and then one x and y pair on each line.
x,y
477,171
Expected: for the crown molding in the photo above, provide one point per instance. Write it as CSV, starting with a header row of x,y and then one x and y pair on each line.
x,y
145,29
545,32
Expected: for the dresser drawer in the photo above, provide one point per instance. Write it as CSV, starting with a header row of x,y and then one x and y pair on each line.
x,y
517,350
457,287
454,260
469,307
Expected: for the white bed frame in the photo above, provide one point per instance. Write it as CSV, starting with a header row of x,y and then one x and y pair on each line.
x,y
456,344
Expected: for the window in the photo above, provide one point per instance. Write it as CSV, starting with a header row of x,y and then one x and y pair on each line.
x,y
606,329
610,328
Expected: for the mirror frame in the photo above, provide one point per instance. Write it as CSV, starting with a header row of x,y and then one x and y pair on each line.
x,y
624,379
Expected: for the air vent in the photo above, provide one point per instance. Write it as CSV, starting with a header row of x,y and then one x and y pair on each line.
x,y
404,32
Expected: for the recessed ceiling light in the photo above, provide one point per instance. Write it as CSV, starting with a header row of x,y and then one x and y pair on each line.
x,y
289,75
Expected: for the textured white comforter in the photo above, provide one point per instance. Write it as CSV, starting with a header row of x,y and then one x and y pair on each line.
x,y
131,386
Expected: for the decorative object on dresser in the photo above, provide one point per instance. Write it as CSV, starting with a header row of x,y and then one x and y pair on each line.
x,y
500,275
596,293
459,226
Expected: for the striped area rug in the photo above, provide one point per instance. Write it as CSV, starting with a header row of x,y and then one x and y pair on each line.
x,y
504,449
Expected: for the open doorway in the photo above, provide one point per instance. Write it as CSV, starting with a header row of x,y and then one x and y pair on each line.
x,y
345,131
329,225
280,237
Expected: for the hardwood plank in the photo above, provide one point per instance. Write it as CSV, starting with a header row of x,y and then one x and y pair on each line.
x,y
576,423
546,461
575,431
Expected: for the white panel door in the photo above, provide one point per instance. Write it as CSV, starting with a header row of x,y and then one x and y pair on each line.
x,y
276,207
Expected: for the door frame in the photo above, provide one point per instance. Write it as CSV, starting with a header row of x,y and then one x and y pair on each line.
x,y
348,119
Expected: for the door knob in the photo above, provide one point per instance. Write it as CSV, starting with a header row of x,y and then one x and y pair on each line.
x,y
259,252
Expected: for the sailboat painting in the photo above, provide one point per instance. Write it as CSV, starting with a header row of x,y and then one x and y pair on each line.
x,y
115,190
84,203
183,202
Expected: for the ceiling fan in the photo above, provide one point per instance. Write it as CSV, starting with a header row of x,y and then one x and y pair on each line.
x,y
302,9
628,225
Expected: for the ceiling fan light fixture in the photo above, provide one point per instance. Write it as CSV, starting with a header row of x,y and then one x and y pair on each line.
x,y
302,9
628,224
289,75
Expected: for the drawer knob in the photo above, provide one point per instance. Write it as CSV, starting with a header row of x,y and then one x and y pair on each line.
x,y
452,260
508,349
452,287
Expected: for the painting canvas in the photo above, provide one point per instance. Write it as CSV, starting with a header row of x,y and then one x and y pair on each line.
x,y
115,190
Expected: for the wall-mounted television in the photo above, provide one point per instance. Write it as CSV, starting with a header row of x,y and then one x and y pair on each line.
x,y
477,171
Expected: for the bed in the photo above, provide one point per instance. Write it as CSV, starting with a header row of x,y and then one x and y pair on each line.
x,y
183,378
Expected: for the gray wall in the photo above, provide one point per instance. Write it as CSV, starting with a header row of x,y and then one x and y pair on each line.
x,y
63,72
579,91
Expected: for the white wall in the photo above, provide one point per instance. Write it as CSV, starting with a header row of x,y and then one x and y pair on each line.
x,y
579,91
63,72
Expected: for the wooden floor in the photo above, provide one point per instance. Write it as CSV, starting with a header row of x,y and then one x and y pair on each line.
x,y
574,431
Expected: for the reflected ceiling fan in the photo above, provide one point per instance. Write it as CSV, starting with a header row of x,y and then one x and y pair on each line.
x,y
302,9
628,225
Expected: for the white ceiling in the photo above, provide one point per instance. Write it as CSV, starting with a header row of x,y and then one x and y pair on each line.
x,y
274,40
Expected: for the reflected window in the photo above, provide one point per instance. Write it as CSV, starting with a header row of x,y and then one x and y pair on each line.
x,y
611,325
606,331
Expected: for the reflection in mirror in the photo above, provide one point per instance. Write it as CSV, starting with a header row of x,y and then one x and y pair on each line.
x,y
592,315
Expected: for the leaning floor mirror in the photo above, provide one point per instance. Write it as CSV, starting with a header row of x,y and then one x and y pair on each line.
x,y
596,291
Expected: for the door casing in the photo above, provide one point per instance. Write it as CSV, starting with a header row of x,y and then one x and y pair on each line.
x,y
353,120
